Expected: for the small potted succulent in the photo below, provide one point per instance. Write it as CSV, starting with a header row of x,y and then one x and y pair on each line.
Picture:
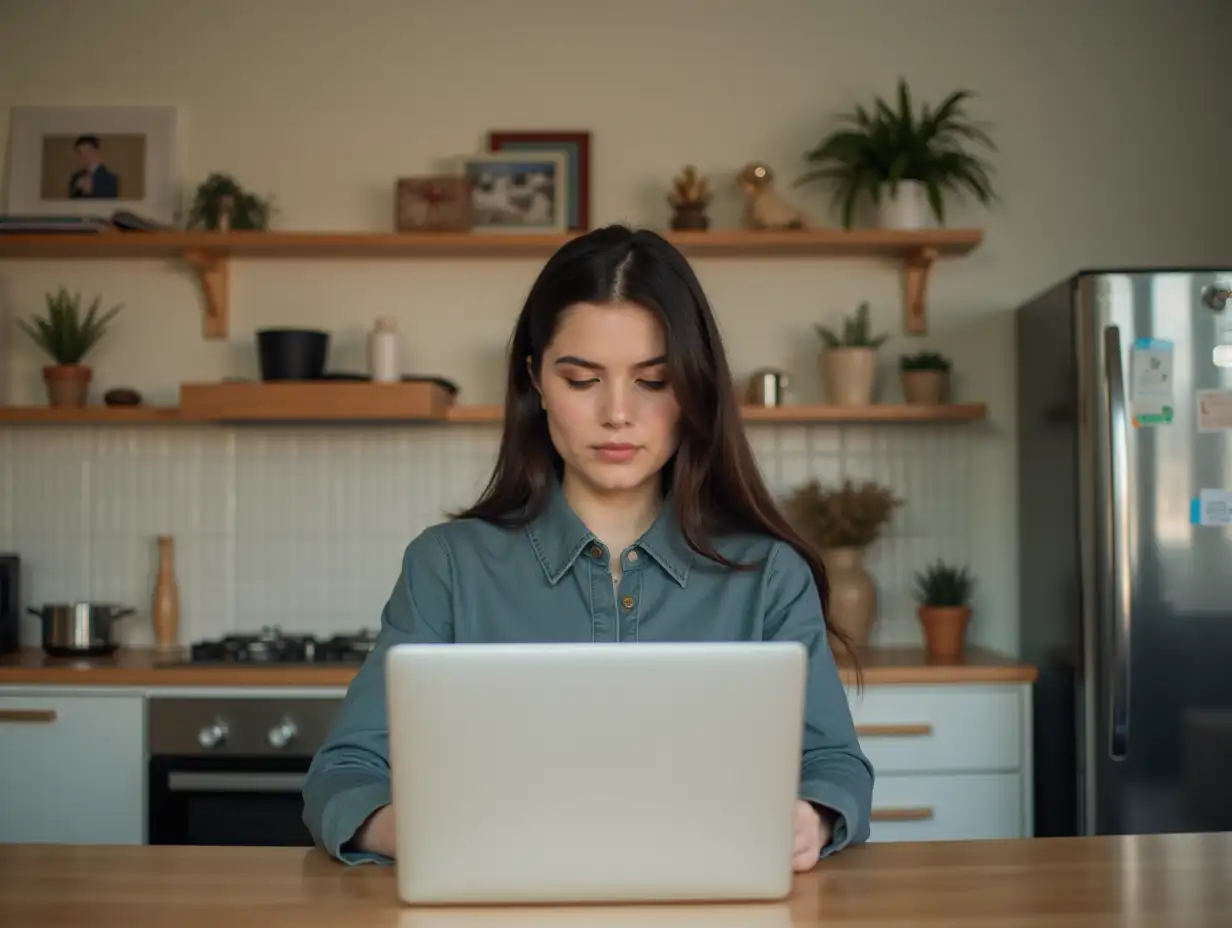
x,y
943,594
849,363
67,336
689,197
925,377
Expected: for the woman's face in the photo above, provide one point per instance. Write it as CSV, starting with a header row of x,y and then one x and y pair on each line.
x,y
611,413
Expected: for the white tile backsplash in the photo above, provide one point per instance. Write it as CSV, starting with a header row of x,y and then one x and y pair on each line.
x,y
304,526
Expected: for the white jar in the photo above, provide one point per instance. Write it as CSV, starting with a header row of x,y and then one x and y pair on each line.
x,y
384,364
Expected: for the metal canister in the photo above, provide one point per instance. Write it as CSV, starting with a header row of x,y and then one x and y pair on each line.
x,y
767,387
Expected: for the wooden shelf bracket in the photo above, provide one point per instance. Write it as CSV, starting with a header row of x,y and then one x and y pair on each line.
x,y
213,272
917,265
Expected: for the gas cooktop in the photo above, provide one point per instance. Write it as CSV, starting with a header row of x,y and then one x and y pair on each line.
x,y
272,646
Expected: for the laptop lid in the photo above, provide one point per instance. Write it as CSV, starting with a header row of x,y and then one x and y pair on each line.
x,y
595,772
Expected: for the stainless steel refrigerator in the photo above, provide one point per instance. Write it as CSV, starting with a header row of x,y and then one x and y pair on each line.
x,y
1124,421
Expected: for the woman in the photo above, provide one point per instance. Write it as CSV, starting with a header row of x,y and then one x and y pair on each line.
x,y
625,505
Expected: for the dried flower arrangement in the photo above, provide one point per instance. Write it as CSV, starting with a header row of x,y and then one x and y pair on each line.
x,y
849,516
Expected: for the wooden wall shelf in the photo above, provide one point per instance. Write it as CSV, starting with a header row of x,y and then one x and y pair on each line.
x,y
208,254
217,409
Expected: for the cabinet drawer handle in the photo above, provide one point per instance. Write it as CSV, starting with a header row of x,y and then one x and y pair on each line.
x,y
28,715
904,814
893,731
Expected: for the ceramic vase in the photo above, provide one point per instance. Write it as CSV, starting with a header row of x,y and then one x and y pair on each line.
x,y
907,209
926,388
849,375
945,631
853,594
68,385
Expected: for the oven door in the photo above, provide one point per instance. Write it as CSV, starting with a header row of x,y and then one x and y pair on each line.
x,y
231,800
230,770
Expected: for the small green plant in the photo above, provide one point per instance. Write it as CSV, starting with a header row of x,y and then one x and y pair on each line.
x,y
872,151
65,333
219,195
925,361
855,332
943,585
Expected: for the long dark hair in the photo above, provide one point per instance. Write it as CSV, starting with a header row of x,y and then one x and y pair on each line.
x,y
713,476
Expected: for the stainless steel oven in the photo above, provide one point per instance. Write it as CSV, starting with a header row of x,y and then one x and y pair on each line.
x,y
231,770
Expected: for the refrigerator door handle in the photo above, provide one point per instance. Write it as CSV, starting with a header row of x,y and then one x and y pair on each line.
x,y
1117,568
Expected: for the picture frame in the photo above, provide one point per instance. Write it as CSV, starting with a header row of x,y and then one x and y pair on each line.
x,y
575,144
94,160
432,203
517,191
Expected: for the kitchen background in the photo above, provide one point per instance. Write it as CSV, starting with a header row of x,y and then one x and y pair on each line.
x,y
323,104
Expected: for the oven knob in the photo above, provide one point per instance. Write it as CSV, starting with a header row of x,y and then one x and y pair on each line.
x,y
212,735
282,733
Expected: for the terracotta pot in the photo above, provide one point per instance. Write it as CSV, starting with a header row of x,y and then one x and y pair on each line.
x,y
849,375
67,384
853,594
926,388
945,630
908,210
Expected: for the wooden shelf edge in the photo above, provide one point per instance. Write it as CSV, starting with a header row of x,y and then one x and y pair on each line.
x,y
208,253
474,415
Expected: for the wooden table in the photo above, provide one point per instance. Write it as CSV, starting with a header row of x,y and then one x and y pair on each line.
x,y
1173,881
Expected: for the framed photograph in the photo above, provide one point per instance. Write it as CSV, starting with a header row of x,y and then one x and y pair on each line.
x,y
517,191
94,160
575,145
432,203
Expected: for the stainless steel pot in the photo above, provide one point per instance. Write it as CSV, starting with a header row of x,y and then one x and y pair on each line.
x,y
79,629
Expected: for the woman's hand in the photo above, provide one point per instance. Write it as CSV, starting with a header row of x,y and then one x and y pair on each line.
x,y
813,832
377,835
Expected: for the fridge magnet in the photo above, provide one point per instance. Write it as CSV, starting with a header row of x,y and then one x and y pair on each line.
x,y
1211,508
1214,410
1150,385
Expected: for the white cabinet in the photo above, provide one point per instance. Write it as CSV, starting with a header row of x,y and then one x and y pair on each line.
x,y
952,761
72,768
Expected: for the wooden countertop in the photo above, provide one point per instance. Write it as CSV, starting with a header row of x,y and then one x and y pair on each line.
x,y
149,668
1172,881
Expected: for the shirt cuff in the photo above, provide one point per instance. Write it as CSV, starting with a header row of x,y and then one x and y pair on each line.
x,y
345,814
845,810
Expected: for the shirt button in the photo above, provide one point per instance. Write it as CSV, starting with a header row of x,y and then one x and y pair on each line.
x,y
632,556
627,602
596,551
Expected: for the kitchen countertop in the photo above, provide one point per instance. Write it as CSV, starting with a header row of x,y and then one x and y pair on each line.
x,y
149,668
1176,881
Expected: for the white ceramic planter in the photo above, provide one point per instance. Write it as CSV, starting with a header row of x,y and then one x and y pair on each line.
x,y
908,210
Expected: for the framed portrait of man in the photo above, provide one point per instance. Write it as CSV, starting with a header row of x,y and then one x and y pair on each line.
x,y
93,160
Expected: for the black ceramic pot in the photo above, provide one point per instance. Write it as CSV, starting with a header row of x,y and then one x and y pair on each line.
x,y
292,354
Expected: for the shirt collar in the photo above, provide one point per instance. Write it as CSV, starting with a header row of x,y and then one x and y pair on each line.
x,y
559,537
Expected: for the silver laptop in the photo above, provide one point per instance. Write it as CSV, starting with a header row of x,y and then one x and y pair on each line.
x,y
595,772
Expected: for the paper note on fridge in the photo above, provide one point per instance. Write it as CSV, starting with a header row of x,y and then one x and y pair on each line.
x,y
1214,410
1150,384
1212,507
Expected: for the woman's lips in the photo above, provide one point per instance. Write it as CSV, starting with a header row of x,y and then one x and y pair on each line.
x,y
616,452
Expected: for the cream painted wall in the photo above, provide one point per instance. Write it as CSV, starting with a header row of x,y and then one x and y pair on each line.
x,y
1112,120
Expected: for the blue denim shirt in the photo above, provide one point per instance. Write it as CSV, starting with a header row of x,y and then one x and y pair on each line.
x,y
469,581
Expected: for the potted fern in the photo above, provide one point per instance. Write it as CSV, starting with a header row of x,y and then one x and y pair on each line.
x,y
904,162
925,378
67,336
943,594
849,360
